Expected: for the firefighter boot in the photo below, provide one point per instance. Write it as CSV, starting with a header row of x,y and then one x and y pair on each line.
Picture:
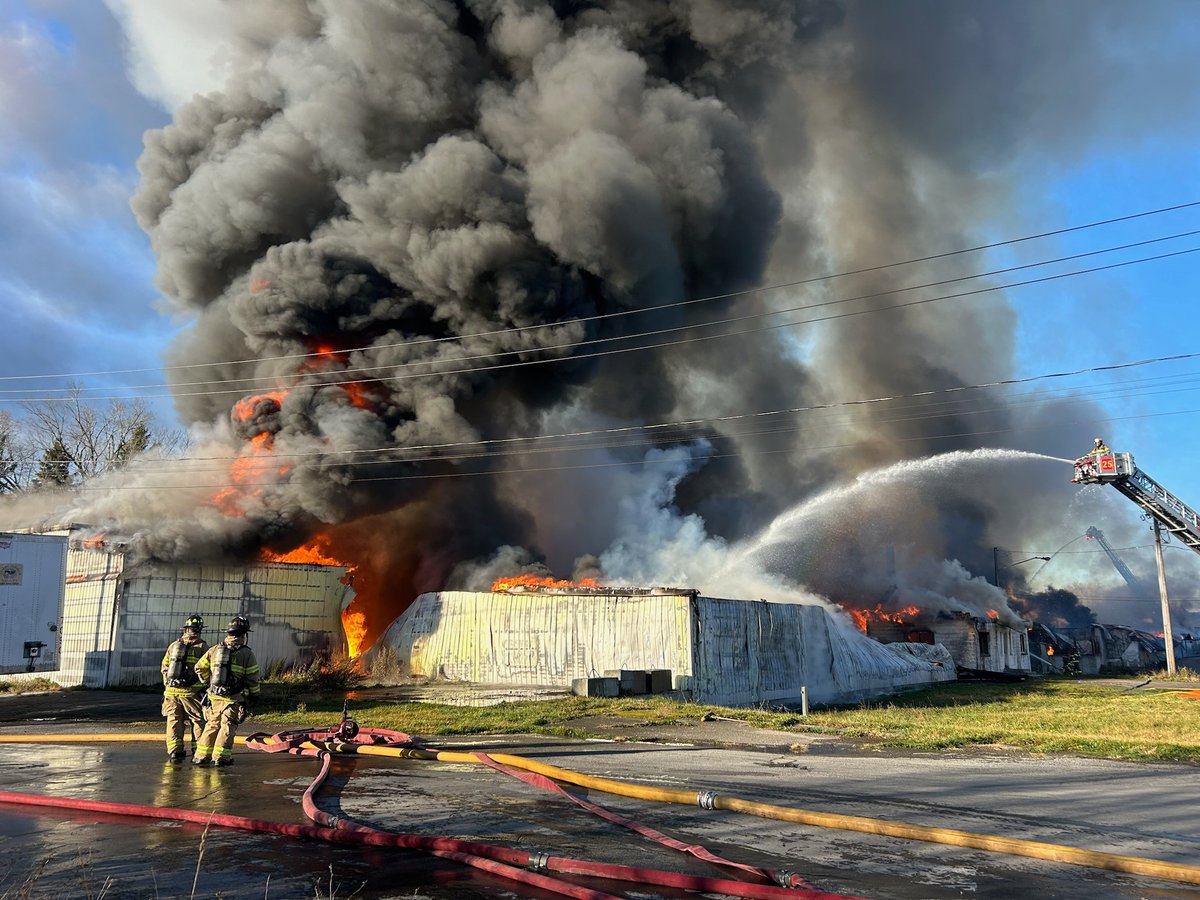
x,y
178,755
199,760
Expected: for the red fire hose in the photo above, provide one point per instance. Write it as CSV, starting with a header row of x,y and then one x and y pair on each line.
x,y
293,741
514,864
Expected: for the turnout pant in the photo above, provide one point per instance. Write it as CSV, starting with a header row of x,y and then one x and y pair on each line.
x,y
185,717
224,716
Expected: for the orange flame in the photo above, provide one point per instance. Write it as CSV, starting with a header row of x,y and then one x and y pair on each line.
x,y
249,464
244,408
317,552
1049,651
330,358
533,581
993,615
903,616
355,626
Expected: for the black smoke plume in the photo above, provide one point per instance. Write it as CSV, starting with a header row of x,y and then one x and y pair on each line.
x,y
412,234
1060,609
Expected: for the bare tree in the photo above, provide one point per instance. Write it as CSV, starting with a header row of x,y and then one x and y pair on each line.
x,y
77,440
16,457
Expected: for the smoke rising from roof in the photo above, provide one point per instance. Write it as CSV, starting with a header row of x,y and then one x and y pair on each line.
x,y
419,197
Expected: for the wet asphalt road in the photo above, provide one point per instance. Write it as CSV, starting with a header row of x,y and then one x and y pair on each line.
x,y
1140,809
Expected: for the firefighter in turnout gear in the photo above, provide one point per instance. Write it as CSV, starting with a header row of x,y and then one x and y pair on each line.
x,y
231,673
183,691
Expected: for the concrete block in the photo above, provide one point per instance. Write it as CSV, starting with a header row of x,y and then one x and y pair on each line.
x,y
659,681
596,687
632,681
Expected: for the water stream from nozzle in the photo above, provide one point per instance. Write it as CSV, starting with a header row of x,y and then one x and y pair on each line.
x,y
788,527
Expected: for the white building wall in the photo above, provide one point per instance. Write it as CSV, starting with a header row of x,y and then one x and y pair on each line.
x,y
540,638
727,652
118,617
756,651
89,626
294,612
32,568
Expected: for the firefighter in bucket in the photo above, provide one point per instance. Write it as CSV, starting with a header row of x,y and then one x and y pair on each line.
x,y
231,673
183,691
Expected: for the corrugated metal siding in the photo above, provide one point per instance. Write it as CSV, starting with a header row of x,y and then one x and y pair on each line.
x,y
541,639
728,652
118,618
756,652
294,611
751,652
89,616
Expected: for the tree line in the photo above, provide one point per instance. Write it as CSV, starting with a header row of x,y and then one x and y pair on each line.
x,y
63,442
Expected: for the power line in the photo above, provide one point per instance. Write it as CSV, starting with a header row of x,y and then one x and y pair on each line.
x,y
624,437
660,307
604,465
315,377
682,341
711,420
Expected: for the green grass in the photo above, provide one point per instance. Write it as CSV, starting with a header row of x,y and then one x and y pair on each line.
x,y
1115,722
28,686
1045,716
1183,674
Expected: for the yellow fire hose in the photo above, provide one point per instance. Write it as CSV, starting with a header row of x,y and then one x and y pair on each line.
x,y
1115,862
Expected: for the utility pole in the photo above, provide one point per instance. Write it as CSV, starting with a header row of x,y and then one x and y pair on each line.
x,y
1168,638
996,566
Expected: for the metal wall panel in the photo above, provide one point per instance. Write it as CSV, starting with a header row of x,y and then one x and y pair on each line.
x,y
756,651
540,638
89,616
727,652
294,612
32,570
118,618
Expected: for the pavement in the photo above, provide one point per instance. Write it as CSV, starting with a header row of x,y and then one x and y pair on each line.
x,y
1146,810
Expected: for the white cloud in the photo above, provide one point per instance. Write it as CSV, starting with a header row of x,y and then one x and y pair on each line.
x,y
176,50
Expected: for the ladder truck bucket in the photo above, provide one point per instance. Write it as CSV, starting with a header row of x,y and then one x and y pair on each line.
x,y
1102,468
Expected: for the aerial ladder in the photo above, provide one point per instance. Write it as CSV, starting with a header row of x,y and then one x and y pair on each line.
x,y
1165,509
1095,534
1158,503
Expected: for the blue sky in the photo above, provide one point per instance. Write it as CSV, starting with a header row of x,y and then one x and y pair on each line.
x,y
76,272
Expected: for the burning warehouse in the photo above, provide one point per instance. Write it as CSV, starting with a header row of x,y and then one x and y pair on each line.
x,y
1098,649
119,613
978,643
727,652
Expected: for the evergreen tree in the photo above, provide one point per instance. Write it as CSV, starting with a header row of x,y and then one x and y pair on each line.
x,y
55,468
131,445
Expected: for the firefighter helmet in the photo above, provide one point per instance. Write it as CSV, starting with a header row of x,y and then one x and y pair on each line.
x,y
1099,442
194,623
238,625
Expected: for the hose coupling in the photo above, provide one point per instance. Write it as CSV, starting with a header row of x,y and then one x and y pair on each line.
x,y
783,877
706,799
538,861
